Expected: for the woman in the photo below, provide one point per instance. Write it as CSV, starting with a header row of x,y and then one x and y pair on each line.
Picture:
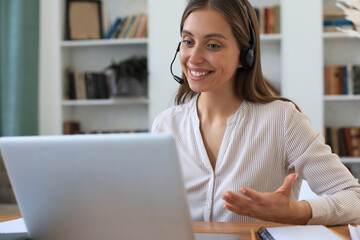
x,y
243,151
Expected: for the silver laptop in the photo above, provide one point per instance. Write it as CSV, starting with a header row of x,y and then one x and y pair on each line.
x,y
123,186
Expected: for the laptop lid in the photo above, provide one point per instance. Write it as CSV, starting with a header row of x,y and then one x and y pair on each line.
x,y
121,186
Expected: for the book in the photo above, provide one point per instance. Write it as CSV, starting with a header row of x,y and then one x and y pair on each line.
x,y
348,143
71,127
349,79
135,26
335,140
71,84
80,87
269,19
89,85
102,84
296,233
277,14
118,28
355,143
95,85
141,30
113,28
129,27
343,151
262,20
124,27
356,79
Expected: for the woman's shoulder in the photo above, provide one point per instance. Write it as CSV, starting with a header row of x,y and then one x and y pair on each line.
x,y
275,107
174,114
176,110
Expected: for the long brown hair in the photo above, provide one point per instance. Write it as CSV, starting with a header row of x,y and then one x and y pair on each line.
x,y
249,84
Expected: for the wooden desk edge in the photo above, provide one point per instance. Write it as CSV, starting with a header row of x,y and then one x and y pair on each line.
x,y
233,227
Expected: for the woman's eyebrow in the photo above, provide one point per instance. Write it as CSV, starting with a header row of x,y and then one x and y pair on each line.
x,y
210,35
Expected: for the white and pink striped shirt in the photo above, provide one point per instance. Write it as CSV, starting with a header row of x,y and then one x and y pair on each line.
x,y
262,144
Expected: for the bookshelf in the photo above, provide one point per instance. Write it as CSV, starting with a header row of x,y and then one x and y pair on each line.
x,y
118,113
341,110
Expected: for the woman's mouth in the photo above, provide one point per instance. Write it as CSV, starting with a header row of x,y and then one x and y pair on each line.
x,y
198,75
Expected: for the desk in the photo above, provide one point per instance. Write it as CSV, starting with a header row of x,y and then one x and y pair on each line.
x,y
242,229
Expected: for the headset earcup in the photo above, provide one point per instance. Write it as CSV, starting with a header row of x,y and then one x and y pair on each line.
x,y
243,60
247,58
250,57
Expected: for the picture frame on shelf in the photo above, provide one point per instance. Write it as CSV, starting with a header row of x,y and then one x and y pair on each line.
x,y
83,20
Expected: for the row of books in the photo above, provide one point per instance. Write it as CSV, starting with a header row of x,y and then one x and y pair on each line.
x,y
335,20
87,85
133,26
342,80
74,127
344,141
269,19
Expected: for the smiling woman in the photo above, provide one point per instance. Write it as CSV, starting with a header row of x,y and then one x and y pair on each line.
x,y
19,45
243,151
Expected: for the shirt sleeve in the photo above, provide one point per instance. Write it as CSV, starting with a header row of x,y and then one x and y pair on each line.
x,y
338,200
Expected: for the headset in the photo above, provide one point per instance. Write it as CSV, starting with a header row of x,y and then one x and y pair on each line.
x,y
247,56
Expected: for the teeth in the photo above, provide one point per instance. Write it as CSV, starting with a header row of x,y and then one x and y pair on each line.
x,y
198,74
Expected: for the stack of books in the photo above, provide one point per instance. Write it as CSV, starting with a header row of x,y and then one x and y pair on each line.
x,y
334,21
269,19
133,26
344,141
342,80
87,85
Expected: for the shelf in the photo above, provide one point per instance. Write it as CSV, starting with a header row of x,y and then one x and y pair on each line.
x,y
337,35
103,42
341,97
109,102
270,37
350,159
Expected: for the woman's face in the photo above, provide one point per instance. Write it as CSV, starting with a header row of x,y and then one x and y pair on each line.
x,y
209,53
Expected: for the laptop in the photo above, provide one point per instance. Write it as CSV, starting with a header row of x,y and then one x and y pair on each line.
x,y
110,186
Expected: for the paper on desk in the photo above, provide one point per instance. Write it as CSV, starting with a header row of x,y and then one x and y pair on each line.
x,y
354,232
13,230
302,232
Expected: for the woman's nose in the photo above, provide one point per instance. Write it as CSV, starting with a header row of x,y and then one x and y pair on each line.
x,y
196,55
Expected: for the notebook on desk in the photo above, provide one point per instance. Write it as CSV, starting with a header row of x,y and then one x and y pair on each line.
x,y
121,186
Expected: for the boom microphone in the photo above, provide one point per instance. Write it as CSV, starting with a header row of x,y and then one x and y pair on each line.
x,y
178,79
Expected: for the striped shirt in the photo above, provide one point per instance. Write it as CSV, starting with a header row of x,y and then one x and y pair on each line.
x,y
262,144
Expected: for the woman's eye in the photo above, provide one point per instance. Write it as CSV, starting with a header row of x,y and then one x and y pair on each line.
x,y
213,46
187,43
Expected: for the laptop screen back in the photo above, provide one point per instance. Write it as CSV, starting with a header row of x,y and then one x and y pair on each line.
x,y
121,186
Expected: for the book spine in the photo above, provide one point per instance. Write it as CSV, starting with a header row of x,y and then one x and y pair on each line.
x,y
72,90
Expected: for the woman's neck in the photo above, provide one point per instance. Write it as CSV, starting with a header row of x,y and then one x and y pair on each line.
x,y
217,107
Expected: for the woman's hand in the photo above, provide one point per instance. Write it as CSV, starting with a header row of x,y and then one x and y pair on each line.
x,y
274,207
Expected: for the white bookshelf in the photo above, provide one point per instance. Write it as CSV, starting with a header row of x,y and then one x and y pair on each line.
x,y
340,49
120,113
